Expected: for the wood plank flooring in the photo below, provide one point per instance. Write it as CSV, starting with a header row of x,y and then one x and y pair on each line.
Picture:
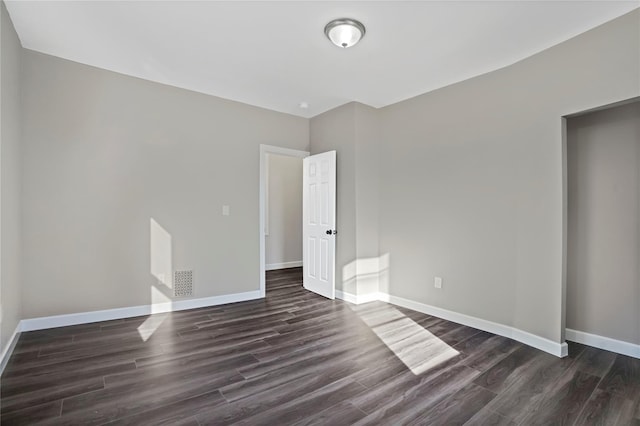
x,y
297,358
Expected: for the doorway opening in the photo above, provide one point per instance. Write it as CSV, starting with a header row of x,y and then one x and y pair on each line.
x,y
602,228
283,210
280,214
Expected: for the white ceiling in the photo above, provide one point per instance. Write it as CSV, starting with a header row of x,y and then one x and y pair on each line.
x,y
275,55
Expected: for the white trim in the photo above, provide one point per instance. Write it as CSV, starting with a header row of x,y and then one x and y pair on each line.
x,y
267,162
347,297
283,265
369,297
133,311
8,350
606,343
264,150
538,342
544,344
357,299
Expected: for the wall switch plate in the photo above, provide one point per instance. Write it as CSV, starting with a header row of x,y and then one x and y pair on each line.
x,y
437,282
225,210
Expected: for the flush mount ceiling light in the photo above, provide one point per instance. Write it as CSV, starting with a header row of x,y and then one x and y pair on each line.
x,y
344,32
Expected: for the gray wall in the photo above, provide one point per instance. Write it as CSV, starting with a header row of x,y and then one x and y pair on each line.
x,y
335,130
464,182
106,156
471,179
353,131
10,186
284,242
603,245
369,265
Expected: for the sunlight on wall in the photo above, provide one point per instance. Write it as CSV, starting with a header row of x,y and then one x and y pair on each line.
x,y
363,275
161,267
160,255
384,264
415,346
158,297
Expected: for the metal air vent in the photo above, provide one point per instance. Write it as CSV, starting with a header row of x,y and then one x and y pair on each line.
x,y
183,283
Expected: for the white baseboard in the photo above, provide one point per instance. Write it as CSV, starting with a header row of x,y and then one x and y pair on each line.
x,y
544,344
134,311
601,342
8,350
554,348
284,265
43,323
366,298
347,297
357,299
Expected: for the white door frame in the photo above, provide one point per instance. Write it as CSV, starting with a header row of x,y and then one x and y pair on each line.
x,y
264,150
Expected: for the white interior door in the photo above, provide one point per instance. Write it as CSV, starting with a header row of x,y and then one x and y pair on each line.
x,y
319,223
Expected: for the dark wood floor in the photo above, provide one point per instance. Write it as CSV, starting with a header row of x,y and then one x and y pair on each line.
x,y
297,358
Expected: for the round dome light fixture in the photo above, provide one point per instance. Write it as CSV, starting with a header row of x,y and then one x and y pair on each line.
x,y
344,32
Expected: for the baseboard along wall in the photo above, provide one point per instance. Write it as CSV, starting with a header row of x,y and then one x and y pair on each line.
x,y
283,265
601,342
6,353
54,321
554,348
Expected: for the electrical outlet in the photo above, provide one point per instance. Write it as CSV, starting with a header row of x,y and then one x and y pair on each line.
x,y
437,282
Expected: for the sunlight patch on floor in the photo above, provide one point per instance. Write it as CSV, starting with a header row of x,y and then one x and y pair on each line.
x,y
415,346
150,325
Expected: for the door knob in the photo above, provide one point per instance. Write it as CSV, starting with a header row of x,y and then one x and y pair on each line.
x,y
330,232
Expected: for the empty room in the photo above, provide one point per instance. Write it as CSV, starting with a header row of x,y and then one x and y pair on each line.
x,y
320,212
